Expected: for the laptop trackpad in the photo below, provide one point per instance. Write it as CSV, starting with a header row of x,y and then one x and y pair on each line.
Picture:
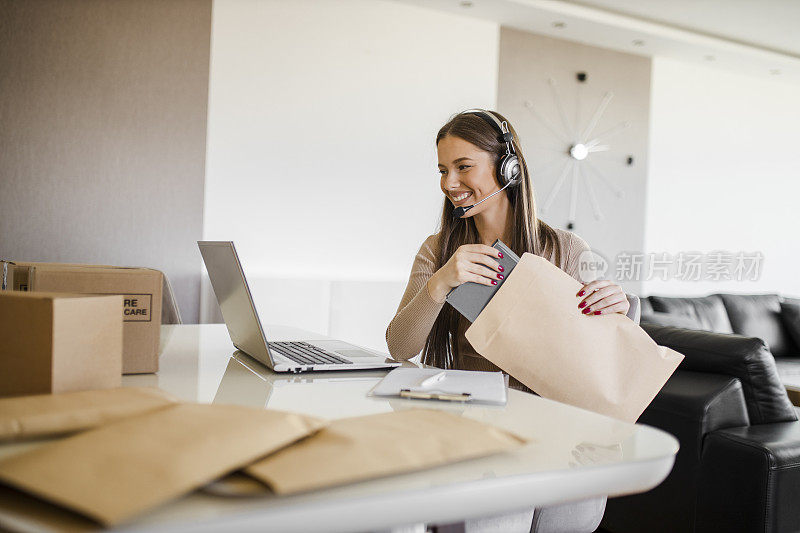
x,y
343,348
353,354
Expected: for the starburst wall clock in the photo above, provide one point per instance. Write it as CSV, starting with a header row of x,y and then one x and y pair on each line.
x,y
579,151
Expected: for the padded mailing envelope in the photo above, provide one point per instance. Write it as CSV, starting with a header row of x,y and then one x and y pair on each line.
x,y
119,470
533,329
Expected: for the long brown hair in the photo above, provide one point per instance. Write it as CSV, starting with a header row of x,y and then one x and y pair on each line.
x,y
529,233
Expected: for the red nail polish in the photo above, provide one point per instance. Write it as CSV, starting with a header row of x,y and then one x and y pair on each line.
x,y
494,282
500,268
586,311
500,276
597,312
581,293
581,304
500,255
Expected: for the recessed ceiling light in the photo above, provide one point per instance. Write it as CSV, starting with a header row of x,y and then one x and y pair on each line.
x,y
559,25
638,42
774,71
710,58
465,3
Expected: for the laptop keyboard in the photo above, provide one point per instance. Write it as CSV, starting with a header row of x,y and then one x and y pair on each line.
x,y
307,354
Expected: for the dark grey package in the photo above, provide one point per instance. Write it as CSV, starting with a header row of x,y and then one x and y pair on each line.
x,y
470,298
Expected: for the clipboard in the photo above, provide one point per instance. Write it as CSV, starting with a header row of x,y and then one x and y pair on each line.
x,y
454,386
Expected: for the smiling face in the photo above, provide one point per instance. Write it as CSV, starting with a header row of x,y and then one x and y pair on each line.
x,y
467,174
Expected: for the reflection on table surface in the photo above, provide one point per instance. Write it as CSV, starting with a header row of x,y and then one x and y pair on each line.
x,y
561,437
325,394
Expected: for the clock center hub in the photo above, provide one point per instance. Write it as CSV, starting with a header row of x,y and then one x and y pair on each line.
x,y
579,152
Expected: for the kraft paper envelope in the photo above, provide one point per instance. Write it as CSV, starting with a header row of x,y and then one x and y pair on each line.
x,y
43,415
115,472
534,330
356,449
21,512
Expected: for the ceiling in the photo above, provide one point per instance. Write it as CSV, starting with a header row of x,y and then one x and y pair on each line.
x,y
768,24
758,38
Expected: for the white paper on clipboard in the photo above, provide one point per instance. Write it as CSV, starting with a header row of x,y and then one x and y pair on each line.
x,y
482,387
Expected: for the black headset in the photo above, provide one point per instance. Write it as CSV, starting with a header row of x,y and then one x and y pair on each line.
x,y
509,171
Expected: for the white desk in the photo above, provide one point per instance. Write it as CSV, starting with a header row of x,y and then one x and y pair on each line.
x,y
574,454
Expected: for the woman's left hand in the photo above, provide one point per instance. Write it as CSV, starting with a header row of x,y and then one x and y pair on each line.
x,y
603,297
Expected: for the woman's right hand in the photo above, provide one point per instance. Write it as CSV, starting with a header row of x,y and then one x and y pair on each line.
x,y
470,262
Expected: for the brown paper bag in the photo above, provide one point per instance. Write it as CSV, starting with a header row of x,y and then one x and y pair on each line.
x,y
533,329
356,449
116,471
45,415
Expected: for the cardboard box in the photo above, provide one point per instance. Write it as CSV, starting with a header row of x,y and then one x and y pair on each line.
x,y
58,342
140,288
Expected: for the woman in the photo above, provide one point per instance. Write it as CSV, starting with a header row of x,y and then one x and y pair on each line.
x,y
478,156
471,148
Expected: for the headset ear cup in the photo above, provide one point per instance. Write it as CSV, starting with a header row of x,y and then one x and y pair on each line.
x,y
510,171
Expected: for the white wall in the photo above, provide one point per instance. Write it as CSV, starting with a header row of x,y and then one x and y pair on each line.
x,y
321,162
724,173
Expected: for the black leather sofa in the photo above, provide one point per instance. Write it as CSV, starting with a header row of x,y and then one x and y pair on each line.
x,y
738,468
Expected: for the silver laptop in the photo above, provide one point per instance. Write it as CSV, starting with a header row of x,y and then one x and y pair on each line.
x,y
238,310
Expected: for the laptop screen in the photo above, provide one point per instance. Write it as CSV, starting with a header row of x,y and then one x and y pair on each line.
x,y
234,298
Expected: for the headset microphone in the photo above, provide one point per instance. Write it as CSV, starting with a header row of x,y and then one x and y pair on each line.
x,y
459,212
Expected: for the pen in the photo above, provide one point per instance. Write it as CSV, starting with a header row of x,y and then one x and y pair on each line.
x,y
436,378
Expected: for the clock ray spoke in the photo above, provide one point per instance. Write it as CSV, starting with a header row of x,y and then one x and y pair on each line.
x,y
549,148
544,169
619,193
578,94
598,148
573,199
557,186
546,123
611,158
598,214
609,133
567,127
598,114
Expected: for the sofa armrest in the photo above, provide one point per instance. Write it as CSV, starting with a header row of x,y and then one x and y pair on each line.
x,y
746,358
690,405
750,479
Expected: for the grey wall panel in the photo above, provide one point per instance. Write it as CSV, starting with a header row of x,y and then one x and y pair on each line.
x,y
103,133
527,63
